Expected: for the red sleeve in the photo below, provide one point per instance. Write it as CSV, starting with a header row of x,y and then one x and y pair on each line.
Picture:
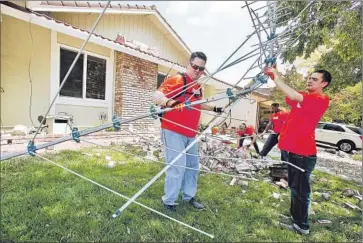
x,y
171,84
315,103
250,130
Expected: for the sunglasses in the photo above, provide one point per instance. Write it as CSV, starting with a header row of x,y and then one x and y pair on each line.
x,y
196,67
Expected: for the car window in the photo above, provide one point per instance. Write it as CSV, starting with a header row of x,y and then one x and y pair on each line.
x,y
333,127
357,130
320,125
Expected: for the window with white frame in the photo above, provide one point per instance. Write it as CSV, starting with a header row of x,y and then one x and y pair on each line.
x,y
88,77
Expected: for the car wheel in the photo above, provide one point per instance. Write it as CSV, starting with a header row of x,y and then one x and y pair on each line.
x,y
346,146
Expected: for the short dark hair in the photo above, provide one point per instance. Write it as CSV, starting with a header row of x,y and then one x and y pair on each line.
x,y
198,54
326,76
275,104
244,124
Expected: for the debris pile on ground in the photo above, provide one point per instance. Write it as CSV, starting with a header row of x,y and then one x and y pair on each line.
x,y
214,155
219,156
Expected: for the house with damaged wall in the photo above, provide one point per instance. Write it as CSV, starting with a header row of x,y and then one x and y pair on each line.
x,y
127,57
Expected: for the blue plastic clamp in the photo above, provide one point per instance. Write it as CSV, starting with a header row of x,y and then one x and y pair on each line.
x,y
261,78
75,134
116,123
31,148
230,94
188,105
271,60
153,112
270,37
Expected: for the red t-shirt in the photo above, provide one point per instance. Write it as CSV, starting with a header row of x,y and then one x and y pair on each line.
x,y
298,134
187,118
278,119
248,131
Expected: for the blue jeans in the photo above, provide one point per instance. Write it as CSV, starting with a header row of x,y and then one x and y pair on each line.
x,y
179,178
299,183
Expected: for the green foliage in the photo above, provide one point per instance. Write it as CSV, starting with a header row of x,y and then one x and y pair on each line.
x,y
333,24
357,157
337,27
344,73
346,105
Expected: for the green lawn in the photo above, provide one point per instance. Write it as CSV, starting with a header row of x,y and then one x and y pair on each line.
x,y
41,202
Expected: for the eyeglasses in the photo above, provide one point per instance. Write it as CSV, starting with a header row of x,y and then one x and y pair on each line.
x,y
196,67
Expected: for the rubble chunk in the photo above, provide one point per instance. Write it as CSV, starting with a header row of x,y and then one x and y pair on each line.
x,y
233,181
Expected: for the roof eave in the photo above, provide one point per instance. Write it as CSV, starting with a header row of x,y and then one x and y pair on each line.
x,y
81,34
141,11
69,9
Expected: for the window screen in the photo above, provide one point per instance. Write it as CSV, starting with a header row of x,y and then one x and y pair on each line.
x,y
96,78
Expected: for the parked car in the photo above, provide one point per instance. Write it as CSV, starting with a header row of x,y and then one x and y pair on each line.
x,y
342,136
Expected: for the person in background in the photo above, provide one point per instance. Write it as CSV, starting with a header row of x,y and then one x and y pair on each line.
x,y
224,128
277,120
247,131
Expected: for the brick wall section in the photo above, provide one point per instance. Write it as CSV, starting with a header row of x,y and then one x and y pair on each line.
x,y
135,82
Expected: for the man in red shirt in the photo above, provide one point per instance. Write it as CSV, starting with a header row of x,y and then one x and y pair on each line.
x,y
179,129
297,137
277,120
247,131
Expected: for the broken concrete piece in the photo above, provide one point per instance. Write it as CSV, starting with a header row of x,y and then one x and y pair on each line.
x,y
242,167
323,180
150,156
352,206
358,197
284,216
205,168
348,193
111,164
242,183
324,221
233,181
325,195
276,195
343,154
282,183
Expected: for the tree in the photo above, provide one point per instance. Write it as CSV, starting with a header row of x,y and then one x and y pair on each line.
x,y
337,25
346,106
344,73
